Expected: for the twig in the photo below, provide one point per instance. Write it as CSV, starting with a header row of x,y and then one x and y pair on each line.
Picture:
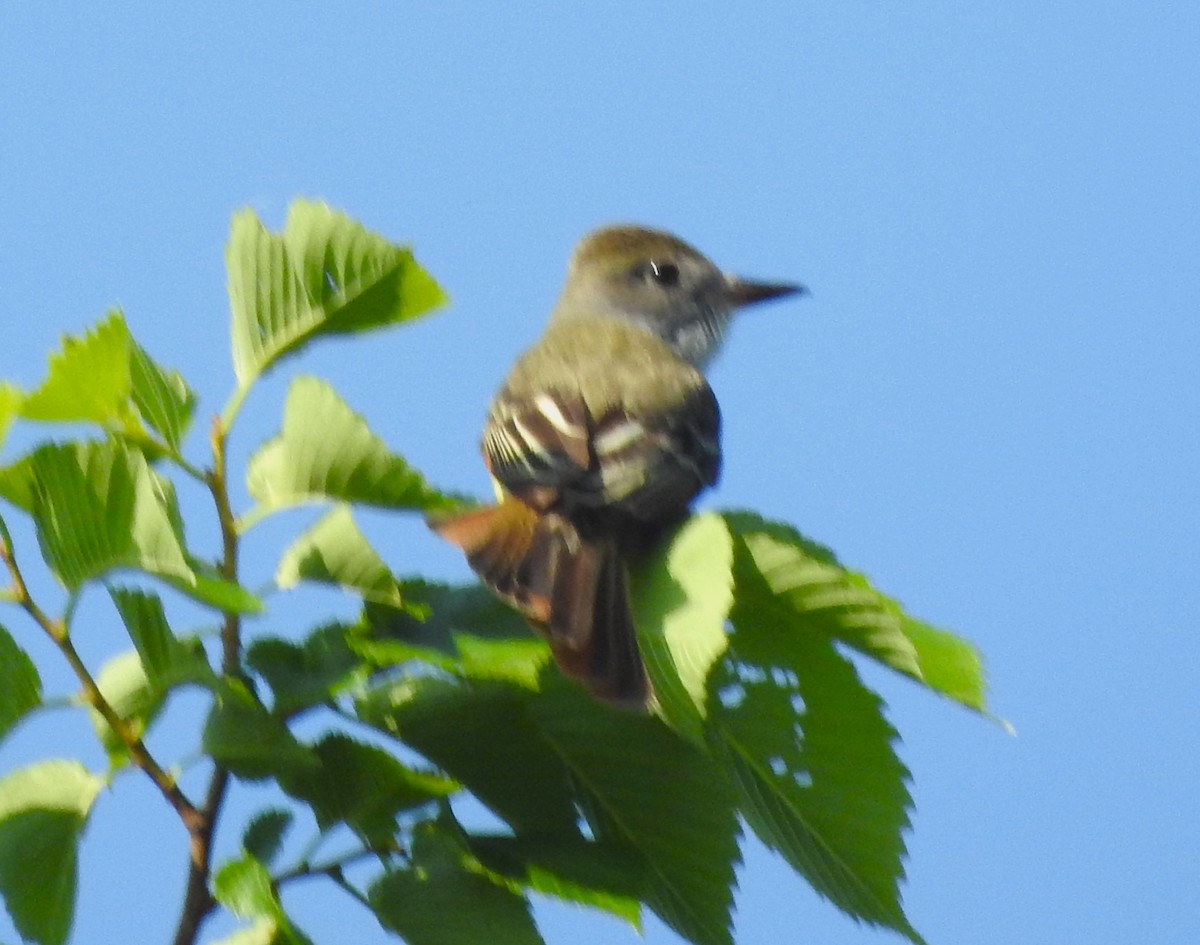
x,y
57,631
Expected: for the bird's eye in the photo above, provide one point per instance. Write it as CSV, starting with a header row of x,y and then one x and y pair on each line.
x,y
665,274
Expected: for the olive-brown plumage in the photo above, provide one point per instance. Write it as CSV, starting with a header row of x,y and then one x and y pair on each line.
x,y
600,437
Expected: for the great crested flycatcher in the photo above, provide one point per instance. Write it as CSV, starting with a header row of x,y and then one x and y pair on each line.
x,y
601,436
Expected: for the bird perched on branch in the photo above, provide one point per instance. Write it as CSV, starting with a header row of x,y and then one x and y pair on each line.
x,y
600,437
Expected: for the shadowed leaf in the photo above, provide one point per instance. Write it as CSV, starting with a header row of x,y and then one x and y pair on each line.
x,y
20,685
648,789
264,834
364,787
43,810
440,901
811,754
251,742
305,674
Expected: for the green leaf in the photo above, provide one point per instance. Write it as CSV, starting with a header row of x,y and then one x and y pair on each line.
x,y
811,754
450,627
323,275
166,661
260,932
682,598
161,396
208,587
327,452
842,604
949,664
303,675
439,901
244,886
334,551
251,742
521,661
364,787
99,507
835,601
89,379
20,685
656,793
483,737
600,875
264,834
10,407
106,378
16,484
124,685
43,810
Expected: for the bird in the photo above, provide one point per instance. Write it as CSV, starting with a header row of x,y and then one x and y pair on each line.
x,y
599,439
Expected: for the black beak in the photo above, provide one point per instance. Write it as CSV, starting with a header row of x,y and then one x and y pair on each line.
x,y
745,292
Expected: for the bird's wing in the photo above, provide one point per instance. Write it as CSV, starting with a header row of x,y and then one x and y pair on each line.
x,y
551,451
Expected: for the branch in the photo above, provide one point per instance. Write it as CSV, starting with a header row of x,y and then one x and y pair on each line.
x,y
198,901
57,631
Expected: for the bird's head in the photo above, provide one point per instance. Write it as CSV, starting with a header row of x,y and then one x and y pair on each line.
x,y
662,284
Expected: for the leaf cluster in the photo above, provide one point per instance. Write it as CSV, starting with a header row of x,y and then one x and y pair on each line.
x,y
433,693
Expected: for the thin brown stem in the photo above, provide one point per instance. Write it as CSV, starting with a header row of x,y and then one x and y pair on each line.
x,y
331,868
57,631
198,901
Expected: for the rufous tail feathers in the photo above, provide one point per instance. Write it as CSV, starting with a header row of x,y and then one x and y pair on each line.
x,y
573,589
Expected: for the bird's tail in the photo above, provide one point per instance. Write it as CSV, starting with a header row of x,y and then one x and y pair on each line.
x,y
571,587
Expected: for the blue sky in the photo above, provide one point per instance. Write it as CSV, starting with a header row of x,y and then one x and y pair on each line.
x,y
989,404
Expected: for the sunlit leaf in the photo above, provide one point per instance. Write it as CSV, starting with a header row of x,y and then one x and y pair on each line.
x,y
244,886
326,452
588,872
439,901
20,685
89,379
521,661
260,932
10,407
657,794
948,664
16,484
208,587
43,810
124,685
681,600
334,551
323,275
